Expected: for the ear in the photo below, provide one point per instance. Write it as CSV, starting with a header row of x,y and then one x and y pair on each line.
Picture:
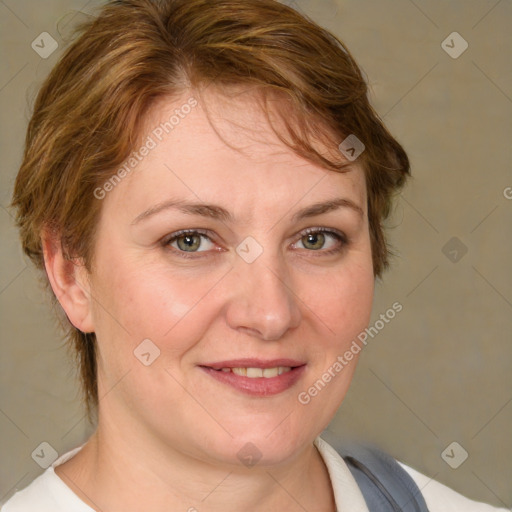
x,y
69,280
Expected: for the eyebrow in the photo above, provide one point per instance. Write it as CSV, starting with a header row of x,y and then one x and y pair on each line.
x,y
218,212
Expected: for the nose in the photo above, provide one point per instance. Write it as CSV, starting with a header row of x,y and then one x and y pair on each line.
x,y
262,302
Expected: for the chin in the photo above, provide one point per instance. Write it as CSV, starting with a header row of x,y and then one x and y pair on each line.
x,y
260,445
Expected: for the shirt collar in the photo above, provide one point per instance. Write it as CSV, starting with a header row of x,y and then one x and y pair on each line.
x,y
347,494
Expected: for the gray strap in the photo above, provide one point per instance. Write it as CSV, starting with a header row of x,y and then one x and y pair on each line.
x,y
385,485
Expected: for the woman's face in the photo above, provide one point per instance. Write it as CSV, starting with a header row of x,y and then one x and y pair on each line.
x,y
276,271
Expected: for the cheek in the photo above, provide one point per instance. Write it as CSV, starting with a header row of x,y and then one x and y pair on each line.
x,y
150,302
136,301
342,301
175,308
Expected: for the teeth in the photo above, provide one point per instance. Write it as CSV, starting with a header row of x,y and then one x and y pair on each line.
x,y
270,372
254,373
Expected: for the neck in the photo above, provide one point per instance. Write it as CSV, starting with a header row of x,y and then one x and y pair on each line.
x,y
126,472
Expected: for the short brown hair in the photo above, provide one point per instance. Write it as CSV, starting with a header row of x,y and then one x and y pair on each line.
x,y
88,114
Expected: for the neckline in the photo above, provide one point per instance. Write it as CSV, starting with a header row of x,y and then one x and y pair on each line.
x,y
347,495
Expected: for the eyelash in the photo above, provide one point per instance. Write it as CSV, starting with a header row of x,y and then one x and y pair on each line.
x,y
340,237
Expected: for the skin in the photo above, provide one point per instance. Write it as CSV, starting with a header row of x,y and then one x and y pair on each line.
x,y
168,434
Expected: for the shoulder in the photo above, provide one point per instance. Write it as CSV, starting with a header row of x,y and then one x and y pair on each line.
x,y
440,498
37,497
399,479
47,493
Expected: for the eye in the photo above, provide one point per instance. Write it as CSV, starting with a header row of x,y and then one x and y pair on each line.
x,y
189,241
321,239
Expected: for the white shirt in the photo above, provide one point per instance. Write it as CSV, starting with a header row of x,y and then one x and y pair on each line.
x,y
48,493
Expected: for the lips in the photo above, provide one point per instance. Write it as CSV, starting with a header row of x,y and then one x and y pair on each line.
x,y
256,377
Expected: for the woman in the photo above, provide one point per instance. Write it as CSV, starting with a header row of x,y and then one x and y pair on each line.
x,y
204,184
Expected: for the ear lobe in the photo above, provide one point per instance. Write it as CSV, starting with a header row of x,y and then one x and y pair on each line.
x,y
69,281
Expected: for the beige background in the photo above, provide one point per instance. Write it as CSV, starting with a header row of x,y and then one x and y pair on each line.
x,y
437,373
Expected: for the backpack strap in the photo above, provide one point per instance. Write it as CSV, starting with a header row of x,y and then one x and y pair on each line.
x,y
385,485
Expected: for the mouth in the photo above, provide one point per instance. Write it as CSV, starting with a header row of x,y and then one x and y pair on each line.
x,y
256,377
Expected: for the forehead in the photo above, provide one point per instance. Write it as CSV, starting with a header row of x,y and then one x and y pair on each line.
x,y
221,147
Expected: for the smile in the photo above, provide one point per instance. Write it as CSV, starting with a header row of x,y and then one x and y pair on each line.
x,y
255,377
